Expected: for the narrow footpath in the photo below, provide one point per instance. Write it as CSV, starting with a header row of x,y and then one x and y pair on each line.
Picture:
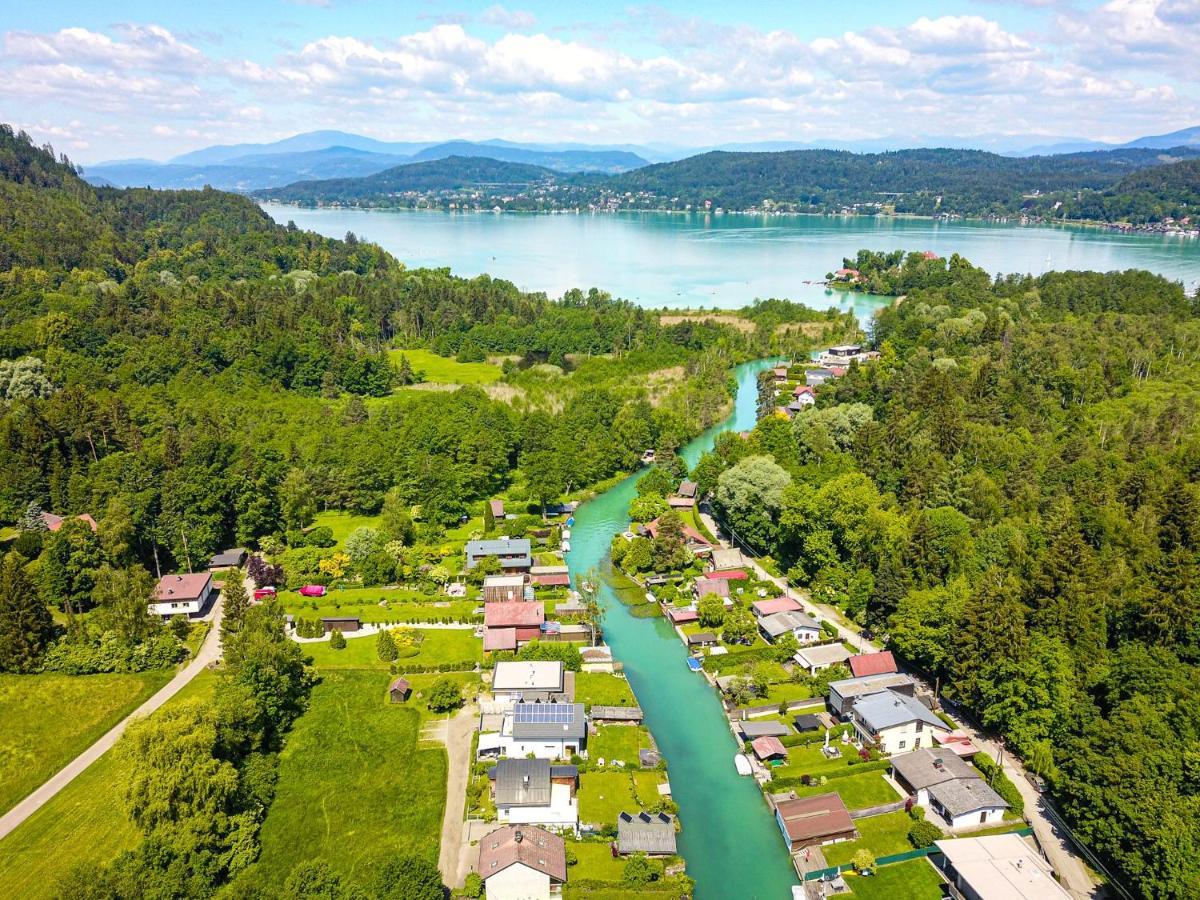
x,y
209,652
1058,847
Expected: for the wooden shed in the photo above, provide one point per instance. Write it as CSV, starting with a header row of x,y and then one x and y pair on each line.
x,y
341,623
399,690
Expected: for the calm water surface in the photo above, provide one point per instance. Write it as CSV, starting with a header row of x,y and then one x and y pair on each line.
x,y
660,259
729,839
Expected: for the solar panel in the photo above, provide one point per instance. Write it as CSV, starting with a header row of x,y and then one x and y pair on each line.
x,y
545,713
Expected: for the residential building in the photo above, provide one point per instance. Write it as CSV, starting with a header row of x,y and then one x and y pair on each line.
x,y
767,748
703,587
534,792
762,608
814,821
816,659
803,626
726,558
752,729
817,377
996,867
643,832
53,522
497,509
186,595
501,588
703,639
681,615
535,681
510,624
522,862
950,788
842,694
895,722
545,730
780,374
841,357
515,554
864,664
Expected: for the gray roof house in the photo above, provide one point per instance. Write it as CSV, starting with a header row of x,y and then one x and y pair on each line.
x,y
774,626
842,694
921,769
649,833
887,709
954,800
521,782
951,787
549,721
762,729
515,553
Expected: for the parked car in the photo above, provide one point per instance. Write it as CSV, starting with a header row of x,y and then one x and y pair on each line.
x,y
312,590
1038,782
264,593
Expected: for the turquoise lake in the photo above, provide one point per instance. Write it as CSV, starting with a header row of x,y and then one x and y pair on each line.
x,y
663,259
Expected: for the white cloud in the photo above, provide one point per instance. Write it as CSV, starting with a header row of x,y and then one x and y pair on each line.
x,y
514,20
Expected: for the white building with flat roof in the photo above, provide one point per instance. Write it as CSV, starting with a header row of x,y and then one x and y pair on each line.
x,y
997,867
529,682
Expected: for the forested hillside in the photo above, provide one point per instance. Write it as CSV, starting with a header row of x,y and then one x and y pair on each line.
x,y
1148,195
1009,496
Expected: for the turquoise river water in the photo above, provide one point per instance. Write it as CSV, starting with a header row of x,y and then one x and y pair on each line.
x,y
732,847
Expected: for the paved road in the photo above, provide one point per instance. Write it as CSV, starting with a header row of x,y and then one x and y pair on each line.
x,y
455,733
209,651
1075,876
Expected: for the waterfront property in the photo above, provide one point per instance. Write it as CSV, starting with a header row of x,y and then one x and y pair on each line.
x,y
539,681
842,694
996,867
762,608
950,787
752,729
643,832
543,730
186,595
514,555
894,722
509,625
802,626
522,862
505,588
813,821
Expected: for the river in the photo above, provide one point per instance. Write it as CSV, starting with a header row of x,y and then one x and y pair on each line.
x,y
732,847
674,260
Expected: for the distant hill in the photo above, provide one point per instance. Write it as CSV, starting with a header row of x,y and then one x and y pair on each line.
x,y
608,161
299,143
447,174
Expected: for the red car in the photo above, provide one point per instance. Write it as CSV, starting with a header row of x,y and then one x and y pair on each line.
x,y
264,593
312,590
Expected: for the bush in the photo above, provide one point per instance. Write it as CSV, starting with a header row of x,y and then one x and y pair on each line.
x,y
864,860
444,696
1000,782
385,646
110,654
321,536
180,626
337,640
922,833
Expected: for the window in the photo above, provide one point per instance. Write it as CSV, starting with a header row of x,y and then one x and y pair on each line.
x,y
916,743
902,743
920,727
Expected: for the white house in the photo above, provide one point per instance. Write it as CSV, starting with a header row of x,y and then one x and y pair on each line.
x,y
531,682
533,792
543,730
182,594
894,722
997,867
949,787
816,659
522,862
804,627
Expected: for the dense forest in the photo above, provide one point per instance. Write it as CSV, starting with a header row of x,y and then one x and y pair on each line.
x,y
1100,185
1008,496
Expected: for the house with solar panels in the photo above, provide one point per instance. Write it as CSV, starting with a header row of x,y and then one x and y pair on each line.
x,y
545,730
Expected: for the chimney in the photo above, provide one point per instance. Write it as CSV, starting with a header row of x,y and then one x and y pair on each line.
x,y
525,778
518,837
937,763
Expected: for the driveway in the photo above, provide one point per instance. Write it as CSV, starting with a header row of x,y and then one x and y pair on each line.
x,y
209,652
455,733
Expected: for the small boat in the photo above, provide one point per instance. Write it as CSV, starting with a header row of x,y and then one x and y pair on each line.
x,y
742,763
694,664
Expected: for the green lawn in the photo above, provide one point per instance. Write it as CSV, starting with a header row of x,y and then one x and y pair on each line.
x,y
645,786
605,795
857,791
50,719
402,605
440,645
916,879
811,761
603,689
612,742
882,835
596,862
341,523
787,690
87,816
442,370
354,788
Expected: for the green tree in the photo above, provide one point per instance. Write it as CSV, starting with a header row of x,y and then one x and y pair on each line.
x,y
444,696
408,878
117,532
748,498
337,640
711,610
297,500
637,872
71,559
234,604
385,646
122,598
26,627
739,627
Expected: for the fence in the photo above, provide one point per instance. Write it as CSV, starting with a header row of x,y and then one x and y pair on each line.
x,y
818,874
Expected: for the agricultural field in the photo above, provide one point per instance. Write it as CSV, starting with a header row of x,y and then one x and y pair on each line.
x,y
50,719
603,689
87,816
354,786
437,646
443,370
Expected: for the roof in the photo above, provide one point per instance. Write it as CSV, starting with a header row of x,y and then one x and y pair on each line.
x,y
548,570
528,845
231,557
497,508
957,742
779,604
549,721
704,637
868,684
824,655
513,613
807,722
809,818
541,675
683,614
644,832
340,619
717,586
177,588
503,581
500,639
516,547
966,795
690,534
923,768
879,663
727,575
687,489
727,558
554,579
617,713
888,709
762,729
768,746
400,684
780,623
803,389
53,522
1002,867
522,782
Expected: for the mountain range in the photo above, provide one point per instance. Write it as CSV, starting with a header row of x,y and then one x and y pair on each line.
x,y
322,155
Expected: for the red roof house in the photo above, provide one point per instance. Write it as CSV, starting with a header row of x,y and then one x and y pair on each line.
x,y
555,579
762,608
810,821
53,522
523,620
526,847
727,575
691,535
768,747
882,663
682,615
500,639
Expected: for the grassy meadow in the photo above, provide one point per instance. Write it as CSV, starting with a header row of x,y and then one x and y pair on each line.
x,y
442,370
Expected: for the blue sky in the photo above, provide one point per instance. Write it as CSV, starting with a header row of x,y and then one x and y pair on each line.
x,y
155,79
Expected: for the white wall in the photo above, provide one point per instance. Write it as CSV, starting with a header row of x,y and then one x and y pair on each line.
x,y
517,882
902,738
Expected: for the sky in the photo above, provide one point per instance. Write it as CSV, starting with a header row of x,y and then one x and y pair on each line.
x,y
154,79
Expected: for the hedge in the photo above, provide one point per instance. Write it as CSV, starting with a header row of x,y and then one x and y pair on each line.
x,y
798,780
1000,782
466,665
